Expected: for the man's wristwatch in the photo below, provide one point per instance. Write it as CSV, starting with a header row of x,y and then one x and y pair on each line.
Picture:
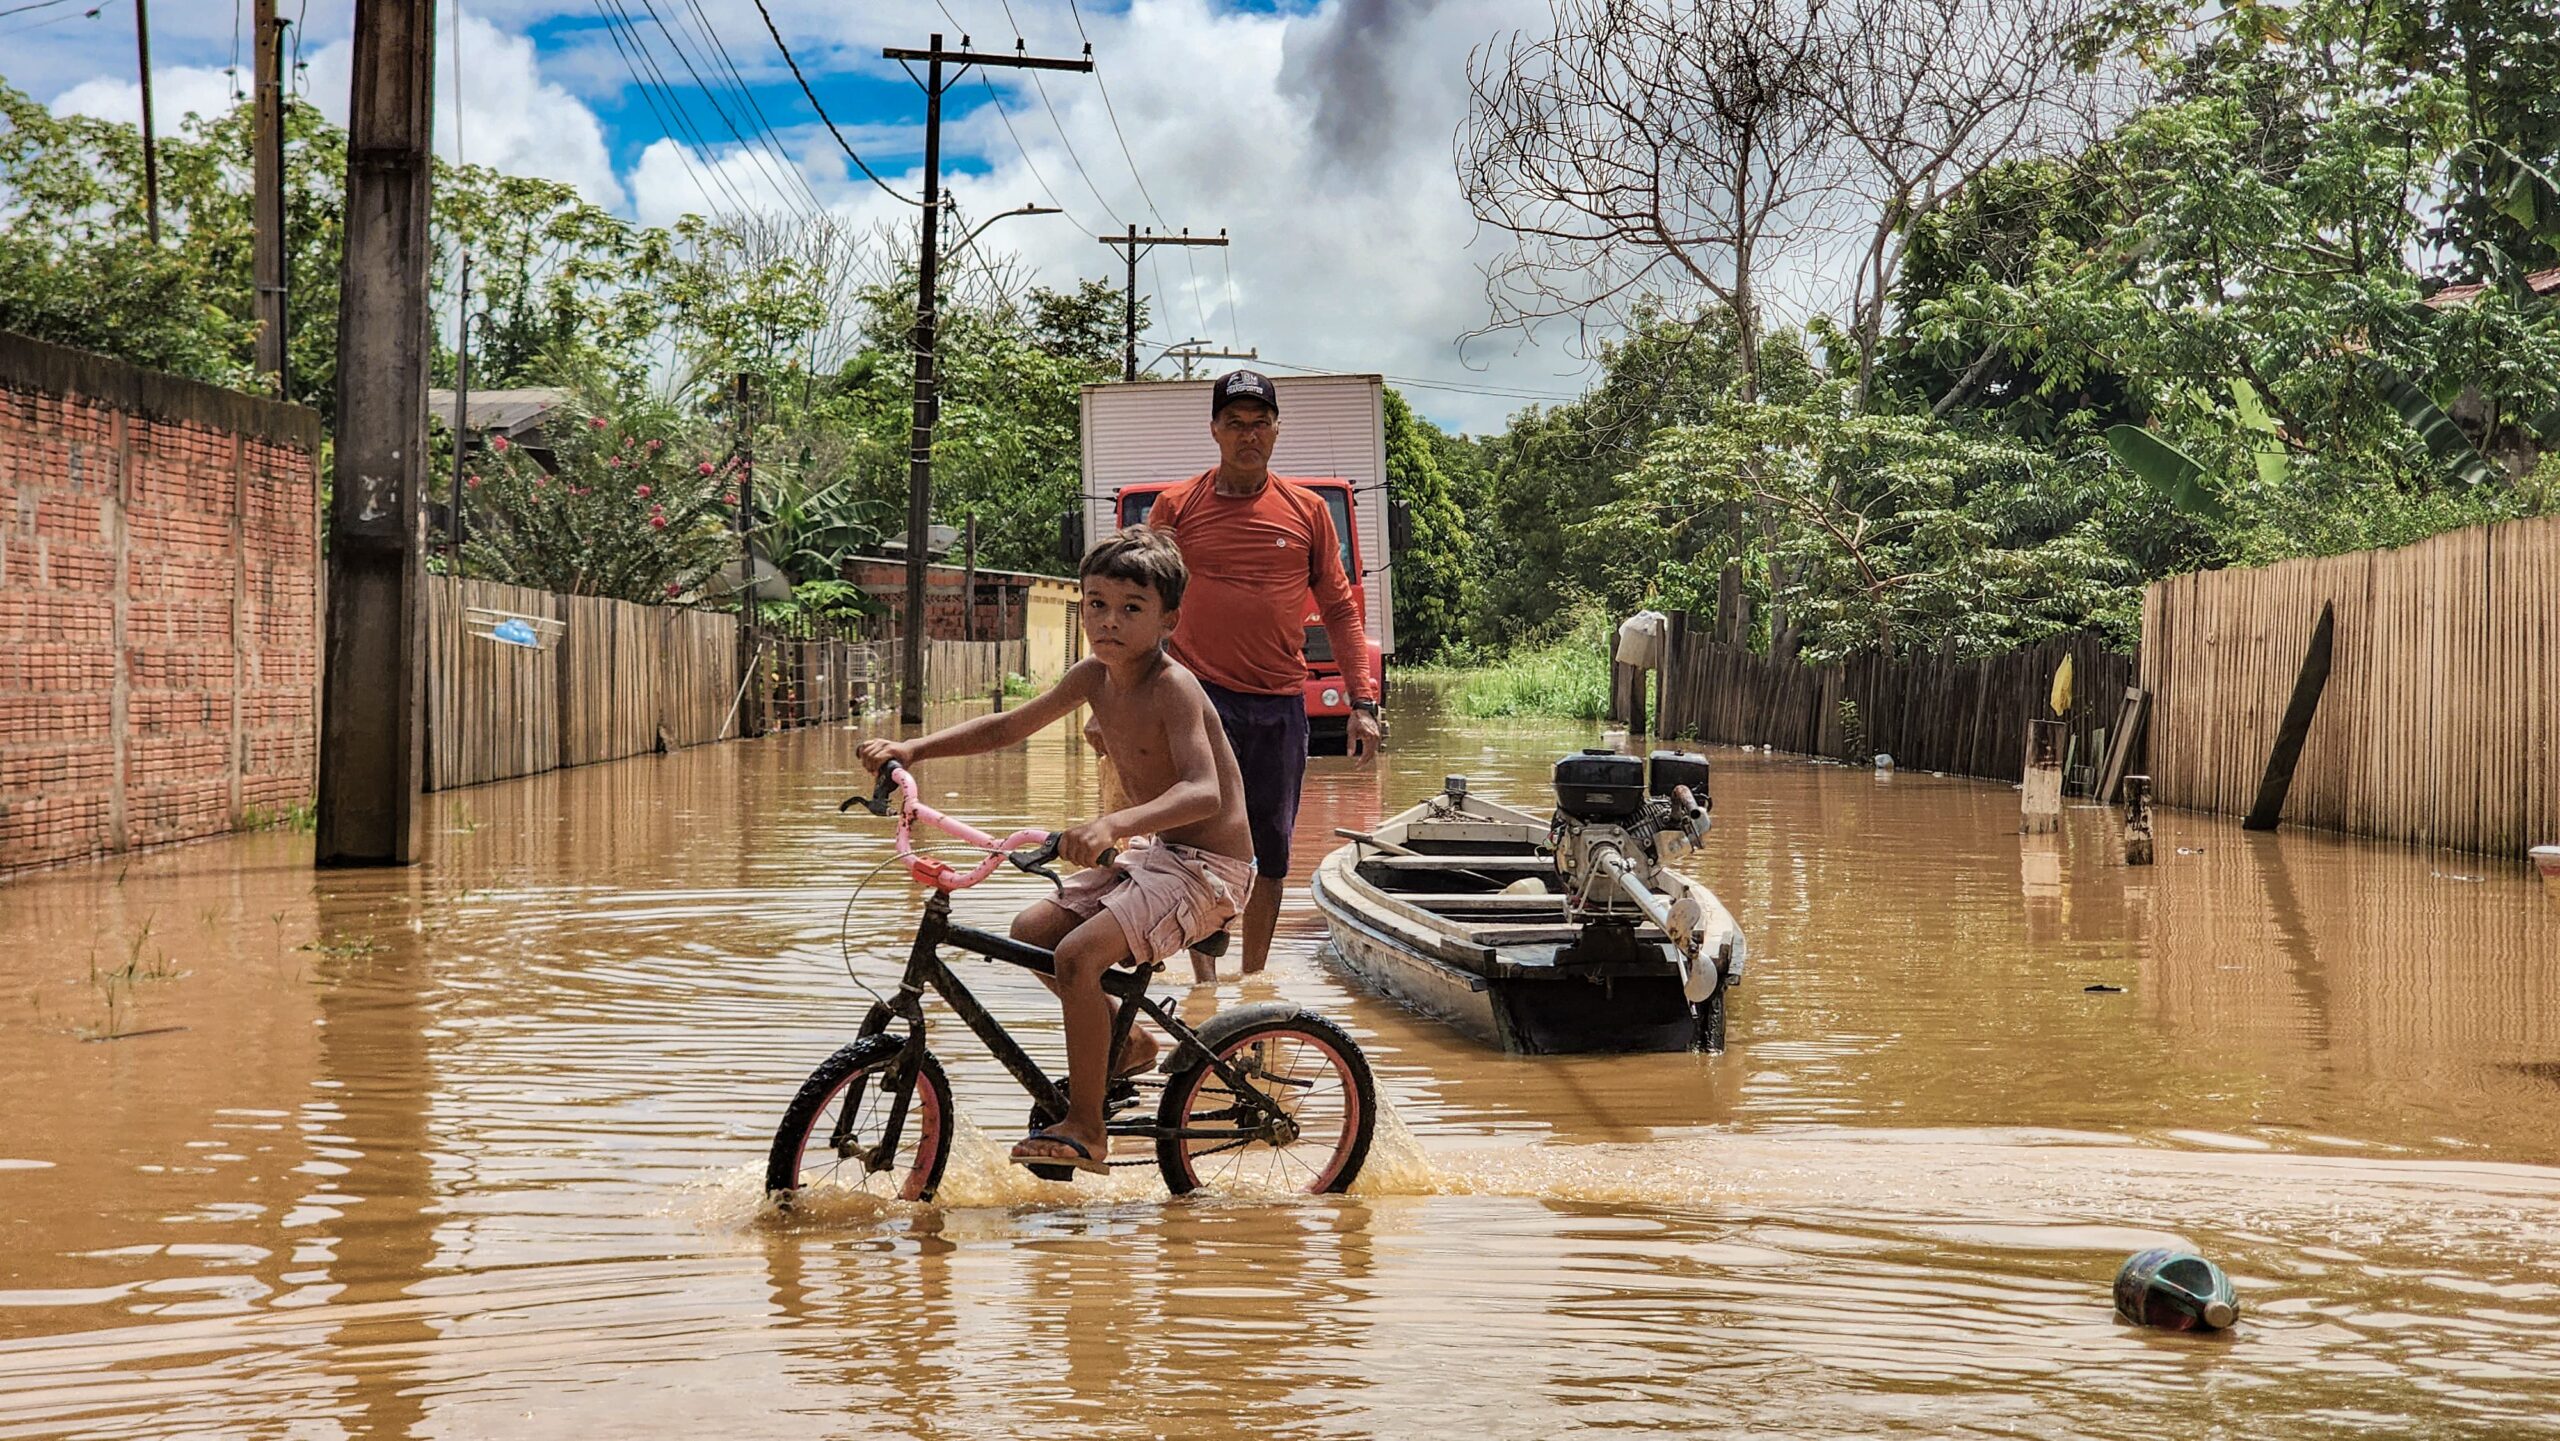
x,y
1368,708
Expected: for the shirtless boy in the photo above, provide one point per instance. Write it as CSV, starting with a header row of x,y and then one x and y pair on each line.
x,y
1181,787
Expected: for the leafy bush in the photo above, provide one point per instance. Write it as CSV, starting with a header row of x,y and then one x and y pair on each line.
x,y
635,509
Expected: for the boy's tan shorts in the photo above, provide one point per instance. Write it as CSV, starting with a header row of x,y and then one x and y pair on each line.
x,y
1164,896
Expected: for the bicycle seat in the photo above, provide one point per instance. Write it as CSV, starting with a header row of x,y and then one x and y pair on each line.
x,y
1212,945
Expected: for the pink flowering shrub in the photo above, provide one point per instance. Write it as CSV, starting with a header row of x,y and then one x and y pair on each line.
x,y
637,513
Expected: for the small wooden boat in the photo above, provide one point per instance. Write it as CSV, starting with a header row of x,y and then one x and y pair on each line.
x,y
2546,859
1458,909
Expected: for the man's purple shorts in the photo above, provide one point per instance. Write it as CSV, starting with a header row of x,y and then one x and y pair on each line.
x,y
1268,733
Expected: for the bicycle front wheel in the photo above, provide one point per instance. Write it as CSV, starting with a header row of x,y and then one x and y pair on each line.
x,y
1311,1137
832,1128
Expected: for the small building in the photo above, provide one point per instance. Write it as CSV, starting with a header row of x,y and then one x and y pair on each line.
x,y
1039,610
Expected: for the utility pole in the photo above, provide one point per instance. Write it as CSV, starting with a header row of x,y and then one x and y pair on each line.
x,y
150,136
1190,350
928,257
267,255
368,698
749,722
1181,350
1131,246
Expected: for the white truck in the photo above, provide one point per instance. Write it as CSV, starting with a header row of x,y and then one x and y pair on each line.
x,y
1142,438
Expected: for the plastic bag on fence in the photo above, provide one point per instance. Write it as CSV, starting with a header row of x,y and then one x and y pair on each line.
x,y
1644,640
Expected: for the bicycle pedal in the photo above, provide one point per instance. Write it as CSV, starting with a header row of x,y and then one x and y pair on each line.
x,y
1051,1173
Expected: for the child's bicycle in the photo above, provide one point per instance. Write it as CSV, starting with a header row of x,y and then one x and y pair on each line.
x,y
1262,1097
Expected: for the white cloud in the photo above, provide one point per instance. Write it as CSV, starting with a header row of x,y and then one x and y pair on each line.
x,y
1319,138
1351,242
177,91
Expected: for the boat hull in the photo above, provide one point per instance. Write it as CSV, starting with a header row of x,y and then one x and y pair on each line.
x,y
1530,989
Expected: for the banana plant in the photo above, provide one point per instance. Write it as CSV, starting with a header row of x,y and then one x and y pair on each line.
x,y
2178,476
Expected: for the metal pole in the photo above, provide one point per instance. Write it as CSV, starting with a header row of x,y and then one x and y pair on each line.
x,y
369,754
748,646
150,137
461,418
969,578
920,442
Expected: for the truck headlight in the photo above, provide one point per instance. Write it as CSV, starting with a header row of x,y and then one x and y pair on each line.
x,y
1332,697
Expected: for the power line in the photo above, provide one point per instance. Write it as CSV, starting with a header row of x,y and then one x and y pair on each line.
x,y
1199,309
1235,317
649,96
1027,163
841,142
49,4
89,14
1490,391
685,58
754,156
738,85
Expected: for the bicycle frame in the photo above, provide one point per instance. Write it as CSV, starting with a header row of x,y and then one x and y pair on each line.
x,y
1257,1118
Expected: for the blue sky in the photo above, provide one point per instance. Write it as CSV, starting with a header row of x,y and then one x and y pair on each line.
x,y
1318,134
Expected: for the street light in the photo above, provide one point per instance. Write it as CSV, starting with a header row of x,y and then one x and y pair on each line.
x,y
972,237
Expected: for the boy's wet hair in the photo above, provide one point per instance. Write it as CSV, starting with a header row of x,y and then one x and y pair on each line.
x,y
1141,555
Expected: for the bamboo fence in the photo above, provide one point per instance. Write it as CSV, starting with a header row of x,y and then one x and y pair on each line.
x,y
2440,725
1927,712
620,680
624,680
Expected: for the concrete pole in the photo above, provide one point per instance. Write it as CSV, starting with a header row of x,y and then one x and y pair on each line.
x,y
267,249
369,753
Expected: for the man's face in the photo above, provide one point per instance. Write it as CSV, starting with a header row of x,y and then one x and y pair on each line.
x,y
1123,618
1245,432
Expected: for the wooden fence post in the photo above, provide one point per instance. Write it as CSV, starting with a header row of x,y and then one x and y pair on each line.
x,y
2137,820
1669,708
2297,724
2040,791
1617,682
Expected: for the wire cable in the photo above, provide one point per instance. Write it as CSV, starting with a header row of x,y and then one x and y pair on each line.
x,y
649,97
1493,391
841,142
89,14
754,156
1027,163
49,4
767,133
1189,261
458,107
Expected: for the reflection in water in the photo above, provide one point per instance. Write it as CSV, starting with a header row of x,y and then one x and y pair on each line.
x,y
474,1149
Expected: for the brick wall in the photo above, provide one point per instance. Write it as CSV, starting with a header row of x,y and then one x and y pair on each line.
x,y
158,589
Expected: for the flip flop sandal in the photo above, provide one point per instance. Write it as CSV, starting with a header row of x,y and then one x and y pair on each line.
x,y
1059,1168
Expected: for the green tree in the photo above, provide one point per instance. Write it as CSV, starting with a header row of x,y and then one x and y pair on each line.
x,y
1433,573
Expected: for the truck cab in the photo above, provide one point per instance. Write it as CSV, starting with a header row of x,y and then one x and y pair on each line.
x,y
1328,700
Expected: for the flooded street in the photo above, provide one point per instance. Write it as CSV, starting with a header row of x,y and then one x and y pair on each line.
x,y
476,1149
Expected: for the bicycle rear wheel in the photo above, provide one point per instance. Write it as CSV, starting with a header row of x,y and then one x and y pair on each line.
x,y
1315,1077
839,1115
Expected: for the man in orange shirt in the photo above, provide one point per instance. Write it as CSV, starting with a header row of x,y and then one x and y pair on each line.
x,y
1256,548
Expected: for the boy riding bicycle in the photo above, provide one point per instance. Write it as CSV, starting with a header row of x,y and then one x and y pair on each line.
x,y
1183,789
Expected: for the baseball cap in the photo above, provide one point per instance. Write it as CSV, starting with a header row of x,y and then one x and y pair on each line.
x,y
1238,385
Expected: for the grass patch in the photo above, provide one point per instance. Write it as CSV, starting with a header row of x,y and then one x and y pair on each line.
x,y
1566,678
301,816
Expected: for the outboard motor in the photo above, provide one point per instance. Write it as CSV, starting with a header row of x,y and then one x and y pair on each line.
x,y
1607,802
1619,824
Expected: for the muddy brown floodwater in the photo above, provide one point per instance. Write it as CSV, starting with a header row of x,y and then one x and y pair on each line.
x,y
474,1149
